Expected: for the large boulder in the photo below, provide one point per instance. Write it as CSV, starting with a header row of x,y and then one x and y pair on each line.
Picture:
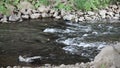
x,y
109,57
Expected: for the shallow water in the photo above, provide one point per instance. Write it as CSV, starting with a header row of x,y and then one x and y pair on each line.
x,y
55,40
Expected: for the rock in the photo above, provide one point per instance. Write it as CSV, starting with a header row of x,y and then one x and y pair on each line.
x,y
35,16
8,67
55,14
58,17
25,16
62,66
103,13
108,57
44,15
69,17
110,13
4,19
62,12
43,9
113,6
90,13
81,19
14,17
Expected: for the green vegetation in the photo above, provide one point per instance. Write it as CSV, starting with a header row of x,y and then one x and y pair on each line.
x,y
84,5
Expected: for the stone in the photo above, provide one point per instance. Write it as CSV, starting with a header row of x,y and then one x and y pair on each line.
x,y
81,19
69,17
25,16
110,13
90,13
55,14
58,17
109,56
88,18
44,15
14,18
103,13
62,66
35,16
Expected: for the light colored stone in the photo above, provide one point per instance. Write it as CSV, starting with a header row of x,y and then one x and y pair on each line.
x,y
44,15
108,57
25,16
81,19
62,66
69,17
35,16
55,14
8,67
58,17
110,13
103,13
90,13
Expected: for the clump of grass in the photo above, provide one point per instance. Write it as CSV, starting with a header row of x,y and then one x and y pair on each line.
x,y
91,4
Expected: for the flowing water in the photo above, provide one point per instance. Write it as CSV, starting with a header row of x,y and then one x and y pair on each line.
x,y
56,41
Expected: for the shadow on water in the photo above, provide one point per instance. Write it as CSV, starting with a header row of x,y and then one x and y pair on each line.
x,y
28,38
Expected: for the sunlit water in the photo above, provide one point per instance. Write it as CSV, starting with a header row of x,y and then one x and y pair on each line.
x,y
55,40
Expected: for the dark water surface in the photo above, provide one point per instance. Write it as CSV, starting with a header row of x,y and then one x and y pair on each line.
x,y
56,40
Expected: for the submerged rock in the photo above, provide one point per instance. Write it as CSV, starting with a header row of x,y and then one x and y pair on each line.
x,y
29,59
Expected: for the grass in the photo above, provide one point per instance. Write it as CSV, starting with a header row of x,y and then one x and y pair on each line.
x,y
84,5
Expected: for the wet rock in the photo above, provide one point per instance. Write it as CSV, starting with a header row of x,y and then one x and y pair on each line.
x,y
55,14
14,17
62,66
35,16
58,17
103,13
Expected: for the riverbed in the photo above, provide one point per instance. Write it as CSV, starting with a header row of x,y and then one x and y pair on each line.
x,y
58,41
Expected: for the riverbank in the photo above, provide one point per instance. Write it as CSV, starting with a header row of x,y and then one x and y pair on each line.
x,y
110,13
